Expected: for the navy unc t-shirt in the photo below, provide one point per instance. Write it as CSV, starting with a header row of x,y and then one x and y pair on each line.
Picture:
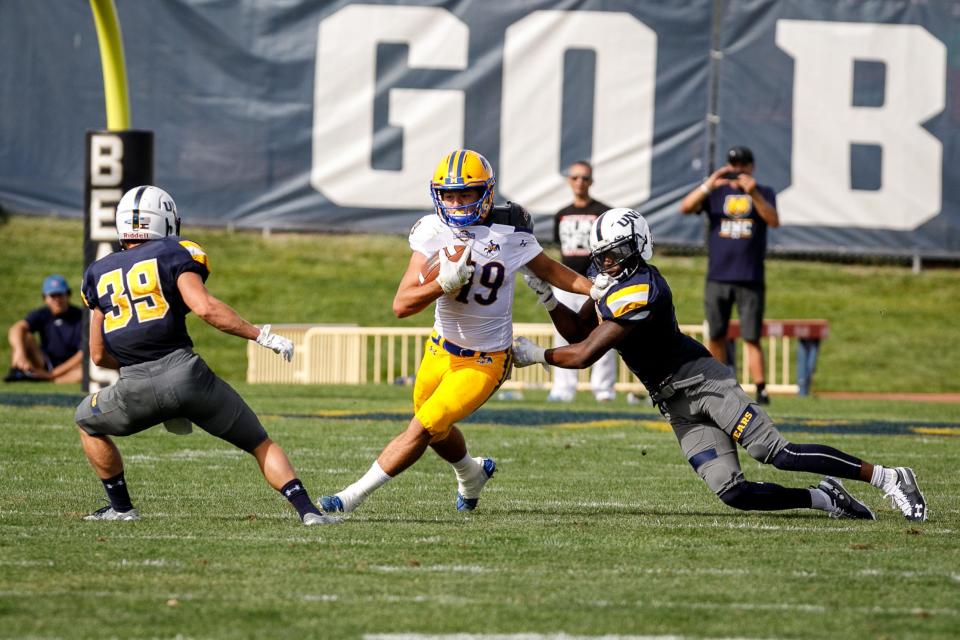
x,y
144,314
60,336
738,235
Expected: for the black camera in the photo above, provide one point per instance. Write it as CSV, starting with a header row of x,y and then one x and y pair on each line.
x,y
731,175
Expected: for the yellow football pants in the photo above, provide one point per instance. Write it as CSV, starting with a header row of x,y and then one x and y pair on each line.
x,y
449,387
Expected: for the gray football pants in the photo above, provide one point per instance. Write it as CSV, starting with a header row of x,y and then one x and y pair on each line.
x,y
178,385
711,417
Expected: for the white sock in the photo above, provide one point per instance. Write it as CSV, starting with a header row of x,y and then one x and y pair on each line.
x,y
820,500
356,493
882,478
470,476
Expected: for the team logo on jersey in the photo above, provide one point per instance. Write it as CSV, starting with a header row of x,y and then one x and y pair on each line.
x,y
465,235
737,205
491,249
745,419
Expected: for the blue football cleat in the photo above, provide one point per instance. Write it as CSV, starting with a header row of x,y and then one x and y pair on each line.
x,y
330,504
489,468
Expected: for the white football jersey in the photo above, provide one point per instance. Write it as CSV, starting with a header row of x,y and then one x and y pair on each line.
x,y
480,315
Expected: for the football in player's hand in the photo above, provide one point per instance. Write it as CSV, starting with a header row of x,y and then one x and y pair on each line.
x,y
431,270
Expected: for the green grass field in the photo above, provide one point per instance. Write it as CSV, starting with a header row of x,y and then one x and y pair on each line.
x,y
593,525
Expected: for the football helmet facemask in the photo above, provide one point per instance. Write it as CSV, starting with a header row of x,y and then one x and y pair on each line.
x,y
458,170
620,241
147,213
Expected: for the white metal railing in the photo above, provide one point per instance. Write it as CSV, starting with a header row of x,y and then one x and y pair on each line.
x,y
337,354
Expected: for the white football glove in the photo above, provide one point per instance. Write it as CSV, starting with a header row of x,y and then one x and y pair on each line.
x,y
600,285
453,275
543,290
277,344
526,352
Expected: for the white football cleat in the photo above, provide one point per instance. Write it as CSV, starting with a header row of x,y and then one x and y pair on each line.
x,y
904,494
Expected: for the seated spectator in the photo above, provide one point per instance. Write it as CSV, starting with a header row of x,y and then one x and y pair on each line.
x,y
58,357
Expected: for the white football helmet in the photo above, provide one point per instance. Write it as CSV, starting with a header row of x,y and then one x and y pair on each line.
x,y
623,236
147,213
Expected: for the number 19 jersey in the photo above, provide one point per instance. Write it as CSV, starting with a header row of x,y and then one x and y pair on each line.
x,y
136,289
480,315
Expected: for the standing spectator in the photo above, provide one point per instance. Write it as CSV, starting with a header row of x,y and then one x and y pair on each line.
x,y
740,210
571,229
58,357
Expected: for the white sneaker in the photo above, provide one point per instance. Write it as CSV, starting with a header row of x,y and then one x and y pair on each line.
x,y
605,396
904,494
559,397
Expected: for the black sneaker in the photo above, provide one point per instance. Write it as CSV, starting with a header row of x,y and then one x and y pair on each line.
x,y
844,504
763,397
19,375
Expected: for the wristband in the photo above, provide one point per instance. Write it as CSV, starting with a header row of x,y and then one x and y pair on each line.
x,y
705,189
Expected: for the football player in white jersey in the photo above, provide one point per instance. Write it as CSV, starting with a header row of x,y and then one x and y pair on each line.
x,y
468,355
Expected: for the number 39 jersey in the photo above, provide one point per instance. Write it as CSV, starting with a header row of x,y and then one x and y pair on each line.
x,y
136,289
480,315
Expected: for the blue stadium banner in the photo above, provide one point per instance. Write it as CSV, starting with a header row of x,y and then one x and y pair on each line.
x,y
331,116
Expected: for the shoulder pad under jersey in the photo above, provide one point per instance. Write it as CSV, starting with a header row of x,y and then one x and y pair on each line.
x,y
512,214
628,300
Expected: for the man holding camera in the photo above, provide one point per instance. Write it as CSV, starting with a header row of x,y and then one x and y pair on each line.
x,y
739,211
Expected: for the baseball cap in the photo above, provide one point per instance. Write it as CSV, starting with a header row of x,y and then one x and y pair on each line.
x,y
740,155
54,284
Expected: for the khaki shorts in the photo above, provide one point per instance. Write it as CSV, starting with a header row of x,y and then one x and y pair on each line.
x,y
178,385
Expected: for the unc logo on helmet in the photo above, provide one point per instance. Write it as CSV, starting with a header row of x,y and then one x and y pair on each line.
x,y
459,170
147,213
619,241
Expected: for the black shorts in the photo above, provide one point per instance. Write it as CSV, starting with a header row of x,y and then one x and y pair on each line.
x,y
178,385
718,300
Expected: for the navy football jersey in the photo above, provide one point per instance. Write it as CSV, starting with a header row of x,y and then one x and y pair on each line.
x,y
136,289
655,346
738,235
